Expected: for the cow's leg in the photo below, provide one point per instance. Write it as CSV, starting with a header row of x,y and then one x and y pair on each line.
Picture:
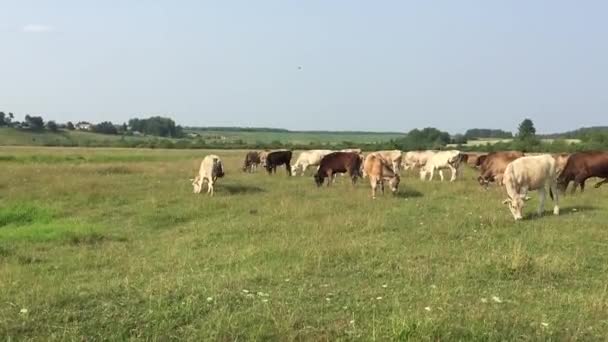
x,y
600,183
330,175
304,167
374,184
422,174
555,193
382,186
498,179
454,172
542,194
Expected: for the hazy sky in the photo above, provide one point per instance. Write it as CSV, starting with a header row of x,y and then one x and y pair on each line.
x,y
365,65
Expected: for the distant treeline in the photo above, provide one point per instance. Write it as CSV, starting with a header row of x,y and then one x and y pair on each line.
x,y
477,133
276,130
581,133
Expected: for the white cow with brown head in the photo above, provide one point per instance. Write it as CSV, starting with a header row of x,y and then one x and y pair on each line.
x,y
530,173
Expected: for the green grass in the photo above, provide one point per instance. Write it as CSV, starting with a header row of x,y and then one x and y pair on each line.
x,y
115,246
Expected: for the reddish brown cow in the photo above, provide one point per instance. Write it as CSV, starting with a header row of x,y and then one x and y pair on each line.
x,y
583,165
472,158
494,165
338,162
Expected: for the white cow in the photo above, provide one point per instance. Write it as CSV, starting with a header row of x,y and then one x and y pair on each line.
x,y
442,160
308,158
210,170
418,159
530,173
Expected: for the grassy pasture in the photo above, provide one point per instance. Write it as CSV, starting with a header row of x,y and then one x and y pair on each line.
x,y
112,244
302,137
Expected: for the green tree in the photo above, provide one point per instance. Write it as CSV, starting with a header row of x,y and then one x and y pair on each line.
x,y
105,127
70,126
52,126
34,122
3,119
526,130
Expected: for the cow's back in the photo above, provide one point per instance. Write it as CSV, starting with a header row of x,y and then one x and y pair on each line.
x,y
531,171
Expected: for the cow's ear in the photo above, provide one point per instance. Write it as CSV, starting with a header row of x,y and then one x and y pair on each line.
x,y
507,201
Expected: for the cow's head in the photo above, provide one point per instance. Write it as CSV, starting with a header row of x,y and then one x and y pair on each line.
x,y
197,184
483,182
318,179
516,205
394,183
219,169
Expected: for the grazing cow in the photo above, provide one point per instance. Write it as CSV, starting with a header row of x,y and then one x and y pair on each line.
x,y
278,158
308,158
530,173
393,157
252,160
493,166
379,170
338,162
583,165
210,170
417,159
473,158
440,161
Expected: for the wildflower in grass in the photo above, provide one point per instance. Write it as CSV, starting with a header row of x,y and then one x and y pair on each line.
x,y
428,308
344,307
328,299
23,311
245,291
378,298
544,324
352,321
384,286
264,300
433,286
483,300
210,299
287,280
496,299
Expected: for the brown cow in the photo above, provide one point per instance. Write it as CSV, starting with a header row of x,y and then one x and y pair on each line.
x,y
252,160
494,165
379,170
583,165
338,162
472,158
278,158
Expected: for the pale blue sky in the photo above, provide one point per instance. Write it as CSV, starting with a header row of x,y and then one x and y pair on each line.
x,y
366,65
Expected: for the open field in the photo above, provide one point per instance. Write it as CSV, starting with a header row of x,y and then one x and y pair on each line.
x,y
302,137
112,244
16,137
492,141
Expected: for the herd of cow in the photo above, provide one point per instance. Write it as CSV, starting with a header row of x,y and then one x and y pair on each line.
x,y
516,171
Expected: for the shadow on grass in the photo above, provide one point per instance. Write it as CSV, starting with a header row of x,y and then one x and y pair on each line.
x,y
235,189
408,193
563,211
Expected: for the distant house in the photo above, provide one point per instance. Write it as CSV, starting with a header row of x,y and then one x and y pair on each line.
x,y
193,135
137,133
84,126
